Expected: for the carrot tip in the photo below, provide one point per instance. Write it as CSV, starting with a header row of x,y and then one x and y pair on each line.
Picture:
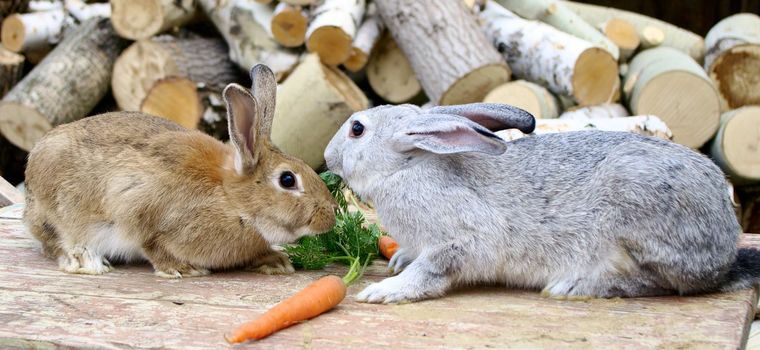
x,y
230,340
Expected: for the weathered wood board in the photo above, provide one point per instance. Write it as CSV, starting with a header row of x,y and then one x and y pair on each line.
x,y
41,307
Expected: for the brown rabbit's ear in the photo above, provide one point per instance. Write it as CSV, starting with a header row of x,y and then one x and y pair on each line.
x,y
242,119
264,88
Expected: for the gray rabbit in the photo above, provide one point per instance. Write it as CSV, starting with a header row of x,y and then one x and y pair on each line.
x,y
580,214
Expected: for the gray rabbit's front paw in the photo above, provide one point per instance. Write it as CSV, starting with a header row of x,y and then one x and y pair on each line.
x,y
408,286
399,261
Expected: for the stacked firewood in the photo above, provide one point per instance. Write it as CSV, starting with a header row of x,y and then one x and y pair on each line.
x,y
574,66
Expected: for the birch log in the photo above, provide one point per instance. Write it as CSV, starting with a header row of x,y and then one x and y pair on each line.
x,y
332,29
366,37
669,84
300,2
190,104
64,87
454,62
11,70
529,96
603,111
647,125
556,14
623,34
200,60
289,24
733,60
390,74
44,5
312,104
537,52
677,38
736,147
245,26
142,19
39,31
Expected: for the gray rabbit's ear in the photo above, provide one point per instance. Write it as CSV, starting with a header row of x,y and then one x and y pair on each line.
x,y
447,134
494,116
242,118
264,89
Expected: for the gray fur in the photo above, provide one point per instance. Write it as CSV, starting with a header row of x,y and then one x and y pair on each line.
x,y
601,214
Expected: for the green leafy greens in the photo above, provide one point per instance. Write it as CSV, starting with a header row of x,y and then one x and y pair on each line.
x,y
350,242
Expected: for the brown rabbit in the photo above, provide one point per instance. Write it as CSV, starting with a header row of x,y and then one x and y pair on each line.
x,y
127,186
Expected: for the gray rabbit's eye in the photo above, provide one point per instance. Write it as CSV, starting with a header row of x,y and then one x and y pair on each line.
x,y
287,179
357,129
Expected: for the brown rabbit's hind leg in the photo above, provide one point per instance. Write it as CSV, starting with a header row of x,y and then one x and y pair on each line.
x,y
272,262
167,266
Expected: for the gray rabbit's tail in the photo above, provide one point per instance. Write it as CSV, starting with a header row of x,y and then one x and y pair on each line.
x,y
745,271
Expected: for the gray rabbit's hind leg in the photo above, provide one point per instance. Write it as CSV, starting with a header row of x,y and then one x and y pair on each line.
x,y
603,286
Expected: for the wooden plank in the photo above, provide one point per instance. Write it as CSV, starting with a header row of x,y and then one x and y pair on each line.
x,y
9,194
130,307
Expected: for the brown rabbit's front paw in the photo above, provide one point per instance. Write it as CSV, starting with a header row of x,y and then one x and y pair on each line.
x,y
274,263
83,261
180,271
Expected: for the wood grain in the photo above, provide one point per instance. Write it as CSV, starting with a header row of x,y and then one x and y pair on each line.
x,y
131,308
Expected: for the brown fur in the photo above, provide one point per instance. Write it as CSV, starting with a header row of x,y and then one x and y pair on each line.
x,y
172,193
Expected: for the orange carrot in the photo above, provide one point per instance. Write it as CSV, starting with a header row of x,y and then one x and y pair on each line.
x,y
388,246
317,298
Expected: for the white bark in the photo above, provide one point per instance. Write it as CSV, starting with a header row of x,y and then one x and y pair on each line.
x,y
675,37
245,27
45,5
82,11
366,37
604,111
647,125
542,54
558,15
33,31
342,19
739,29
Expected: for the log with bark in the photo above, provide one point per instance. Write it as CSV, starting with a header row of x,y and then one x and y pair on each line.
x,y
603,111
64,87
736,147
288,24
332,29
39,31
142,19
733,59
453,60
623,34
540,53
529,96
11,70
390,74
245,26
312,104
367,36
647,125
669,84
556,14
672,36
199,60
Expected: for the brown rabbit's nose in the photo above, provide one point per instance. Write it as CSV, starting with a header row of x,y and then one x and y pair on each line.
x,y
323,219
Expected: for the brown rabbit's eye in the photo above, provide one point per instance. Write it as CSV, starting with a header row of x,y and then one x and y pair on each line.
x,y
357,129
287,179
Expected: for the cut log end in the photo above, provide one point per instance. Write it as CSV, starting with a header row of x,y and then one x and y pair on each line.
x,y
740,141
331,43
474,86
736,73
13,33
344,87
657,96
528,96
651,36
289,27
176,99
136,19
595,77
622,33
21,125
144,59
357,59
390,74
